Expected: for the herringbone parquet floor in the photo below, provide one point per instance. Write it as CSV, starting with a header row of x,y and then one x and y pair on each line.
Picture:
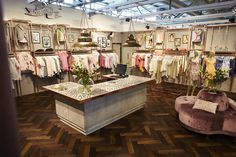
x,y
153,131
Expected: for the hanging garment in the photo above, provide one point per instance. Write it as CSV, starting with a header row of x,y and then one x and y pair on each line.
x,y
147,61
219,62
57,64
141,63
232,67
95,59
137,60
21,34
60,36
40,67
15,71
26,61
197,36
63,58
158,69
133,59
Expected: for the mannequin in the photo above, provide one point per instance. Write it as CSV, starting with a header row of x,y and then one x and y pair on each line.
x,y
210,62
193,73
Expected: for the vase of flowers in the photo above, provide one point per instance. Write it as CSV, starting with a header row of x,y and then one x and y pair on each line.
x,y
213,82
84,77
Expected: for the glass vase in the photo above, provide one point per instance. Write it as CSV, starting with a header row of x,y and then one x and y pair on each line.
x,y
87,87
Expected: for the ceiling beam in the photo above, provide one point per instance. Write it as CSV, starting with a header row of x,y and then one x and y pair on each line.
x,y
150,11
220,5
126,4
196,23
139,4
199,17
179,4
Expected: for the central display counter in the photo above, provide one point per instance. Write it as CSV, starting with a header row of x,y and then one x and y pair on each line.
x,y
108,102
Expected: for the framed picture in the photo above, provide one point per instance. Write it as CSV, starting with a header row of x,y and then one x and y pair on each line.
x,y
149,41
71,38
184,39
104,42
46,41
171,37
108,42
177,42
99,41
36,37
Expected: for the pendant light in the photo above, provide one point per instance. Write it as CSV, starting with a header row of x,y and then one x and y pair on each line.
x,y
85,39
131,41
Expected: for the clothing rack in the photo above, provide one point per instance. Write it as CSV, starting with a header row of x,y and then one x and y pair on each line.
x,y
105,51
175,52
80,52
225,54
43,53
222,53
143,51
11,55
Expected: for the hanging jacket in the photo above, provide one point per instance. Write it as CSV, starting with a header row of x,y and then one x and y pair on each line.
x,y
21,37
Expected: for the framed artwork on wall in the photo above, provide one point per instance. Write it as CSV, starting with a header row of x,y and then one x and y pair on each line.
x,y
104,43
71,38
36,37
46,41
177,42
99,41
171,37
149,41
185,39
108,42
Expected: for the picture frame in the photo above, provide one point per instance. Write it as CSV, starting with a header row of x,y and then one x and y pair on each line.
x,y
71,38
171,37
99,41
185,39
35,37
177,42
104,42
149,41
108,43
46,40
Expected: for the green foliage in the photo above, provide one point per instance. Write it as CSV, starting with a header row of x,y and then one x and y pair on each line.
x,y
81,73
212,81
219,77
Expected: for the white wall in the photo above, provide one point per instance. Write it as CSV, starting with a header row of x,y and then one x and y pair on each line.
x,y
15,9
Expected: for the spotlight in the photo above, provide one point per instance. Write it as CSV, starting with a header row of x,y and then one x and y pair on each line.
x,y
127,19
147,26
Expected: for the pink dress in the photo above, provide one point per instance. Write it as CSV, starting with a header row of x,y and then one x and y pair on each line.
x,y
63,58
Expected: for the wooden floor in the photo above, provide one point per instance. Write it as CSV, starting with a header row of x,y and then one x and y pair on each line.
x,y
150,132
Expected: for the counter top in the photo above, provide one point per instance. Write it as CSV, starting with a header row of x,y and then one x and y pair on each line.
x,y
74,90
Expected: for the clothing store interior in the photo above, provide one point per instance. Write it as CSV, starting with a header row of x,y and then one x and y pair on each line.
x,y
118,78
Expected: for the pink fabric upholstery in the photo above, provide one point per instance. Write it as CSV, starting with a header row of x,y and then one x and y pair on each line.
x,y
223,122
184,100
220,98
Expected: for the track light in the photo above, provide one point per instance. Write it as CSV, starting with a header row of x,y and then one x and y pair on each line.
x,y
127,19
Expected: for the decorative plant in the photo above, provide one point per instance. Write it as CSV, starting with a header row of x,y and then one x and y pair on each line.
x,y
212,81
81,73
